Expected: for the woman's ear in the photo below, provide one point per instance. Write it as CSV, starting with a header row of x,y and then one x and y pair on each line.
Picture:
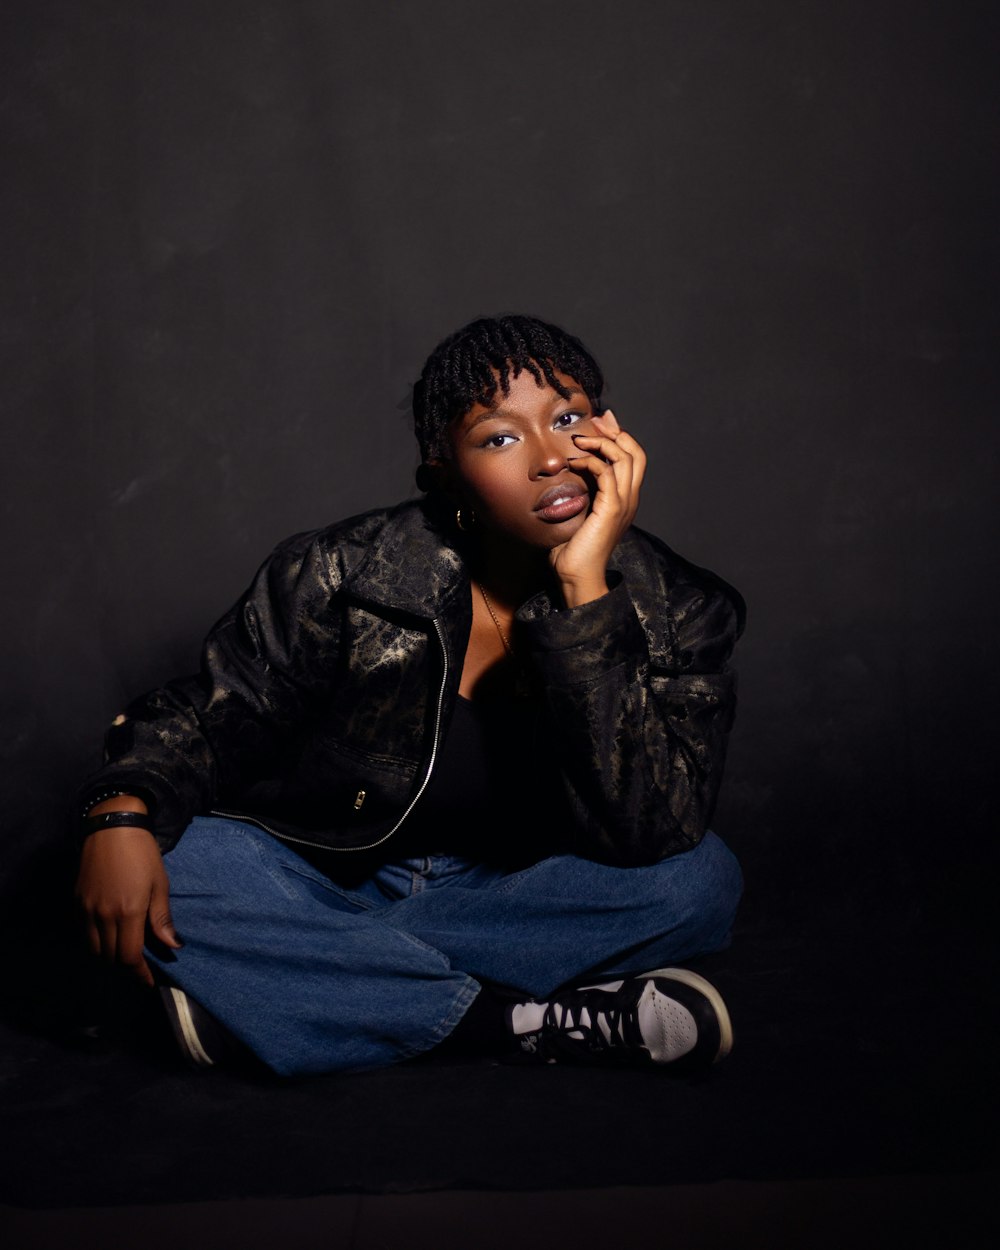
x,y
436,475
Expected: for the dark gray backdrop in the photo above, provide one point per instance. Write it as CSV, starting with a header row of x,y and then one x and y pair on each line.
x,y
232,232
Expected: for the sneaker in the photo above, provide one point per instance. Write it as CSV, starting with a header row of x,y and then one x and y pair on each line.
x,y
671,1015
201,1038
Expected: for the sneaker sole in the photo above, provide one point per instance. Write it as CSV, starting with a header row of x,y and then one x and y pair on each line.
x,y
185,1032
692,979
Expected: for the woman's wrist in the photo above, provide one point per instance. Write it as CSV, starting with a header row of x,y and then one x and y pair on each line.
x,y
118,803
117,820
585,590
116,811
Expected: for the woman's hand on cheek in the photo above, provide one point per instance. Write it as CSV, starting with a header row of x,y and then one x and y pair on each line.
x,y
617,464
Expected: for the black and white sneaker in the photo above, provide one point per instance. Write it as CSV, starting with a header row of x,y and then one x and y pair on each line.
x,y
668,1016
202,1040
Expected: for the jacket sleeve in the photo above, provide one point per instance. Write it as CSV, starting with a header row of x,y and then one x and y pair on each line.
x,y
261,666
641,747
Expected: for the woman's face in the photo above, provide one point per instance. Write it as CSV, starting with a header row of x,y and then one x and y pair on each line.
x,y
511,462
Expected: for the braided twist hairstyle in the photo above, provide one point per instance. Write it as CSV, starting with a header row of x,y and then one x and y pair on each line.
x,y
469,366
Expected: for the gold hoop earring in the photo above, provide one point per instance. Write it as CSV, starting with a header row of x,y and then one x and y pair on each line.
x,y
467,522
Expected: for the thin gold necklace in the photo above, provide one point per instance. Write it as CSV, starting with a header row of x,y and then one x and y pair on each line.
x,y
489,607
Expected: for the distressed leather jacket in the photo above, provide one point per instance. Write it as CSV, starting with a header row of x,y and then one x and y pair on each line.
x,y
325,693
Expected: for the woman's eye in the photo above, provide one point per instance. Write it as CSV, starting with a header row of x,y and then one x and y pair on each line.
x,y
569,418
498,440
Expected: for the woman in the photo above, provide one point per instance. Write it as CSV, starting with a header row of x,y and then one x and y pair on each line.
x,y
443,762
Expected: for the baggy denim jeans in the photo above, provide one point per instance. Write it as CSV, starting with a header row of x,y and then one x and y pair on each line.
x,y
313,977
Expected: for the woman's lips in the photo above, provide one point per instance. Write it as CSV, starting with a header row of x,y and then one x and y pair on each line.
x,y
560,503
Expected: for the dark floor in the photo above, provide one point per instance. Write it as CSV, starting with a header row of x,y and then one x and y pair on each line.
x,y
829,1213
859,1102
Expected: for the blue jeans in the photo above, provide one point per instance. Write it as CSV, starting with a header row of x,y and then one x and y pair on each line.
x,y
314,977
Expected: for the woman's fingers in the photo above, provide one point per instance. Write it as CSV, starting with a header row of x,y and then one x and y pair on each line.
x,y
607,425
160,921
94,935
632,463
122,884
609,421
611,469
107,936
617,463
605,451
120,939
628,444
131,938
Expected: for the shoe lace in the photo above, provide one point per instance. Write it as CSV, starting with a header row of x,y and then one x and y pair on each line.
x,y
593,1021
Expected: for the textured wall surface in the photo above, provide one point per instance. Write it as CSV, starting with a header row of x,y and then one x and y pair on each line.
x,y
232,232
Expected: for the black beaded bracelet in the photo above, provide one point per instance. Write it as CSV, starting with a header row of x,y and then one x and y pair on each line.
x,y
93,801
108,820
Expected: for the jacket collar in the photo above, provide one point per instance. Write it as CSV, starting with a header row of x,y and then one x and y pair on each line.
x,y
412,564
415,565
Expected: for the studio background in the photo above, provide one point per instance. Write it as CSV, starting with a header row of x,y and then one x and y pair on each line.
x,y
232,233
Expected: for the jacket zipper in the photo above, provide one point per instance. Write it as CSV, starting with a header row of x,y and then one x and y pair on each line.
x,y
435,743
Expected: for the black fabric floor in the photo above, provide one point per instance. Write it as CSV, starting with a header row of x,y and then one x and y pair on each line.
x,y
849,1062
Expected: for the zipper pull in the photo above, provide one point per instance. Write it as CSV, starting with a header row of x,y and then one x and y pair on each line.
x,y
359,800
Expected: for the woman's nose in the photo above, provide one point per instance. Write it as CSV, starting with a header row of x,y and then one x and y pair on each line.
x,y
551,455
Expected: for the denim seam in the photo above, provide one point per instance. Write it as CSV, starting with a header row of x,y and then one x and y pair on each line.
x,y
510,883
331,887
277,875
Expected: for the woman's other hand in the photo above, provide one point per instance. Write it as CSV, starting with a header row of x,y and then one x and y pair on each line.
x,y
617,463
122,886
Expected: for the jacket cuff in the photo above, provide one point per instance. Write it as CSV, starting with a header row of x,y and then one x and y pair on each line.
x,y
579,645
170,817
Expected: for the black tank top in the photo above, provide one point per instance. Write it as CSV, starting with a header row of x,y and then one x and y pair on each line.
x,y
487,798
495,796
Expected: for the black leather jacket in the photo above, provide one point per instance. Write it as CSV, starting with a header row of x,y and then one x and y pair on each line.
x,y
325,693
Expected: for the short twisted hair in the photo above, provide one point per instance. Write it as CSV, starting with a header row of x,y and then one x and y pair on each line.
x,y
469,366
